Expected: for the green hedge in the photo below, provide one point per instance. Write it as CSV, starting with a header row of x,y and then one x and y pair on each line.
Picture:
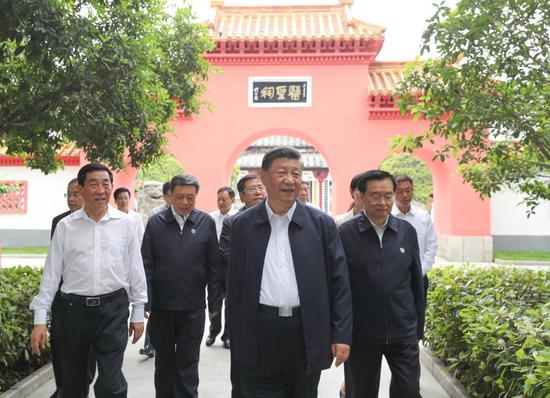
x,y
18,285
491,326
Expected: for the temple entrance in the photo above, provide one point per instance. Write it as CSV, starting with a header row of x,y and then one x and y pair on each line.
x,y
316,172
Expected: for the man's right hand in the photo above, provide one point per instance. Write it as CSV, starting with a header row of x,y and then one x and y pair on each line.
x,y
146,313
38,338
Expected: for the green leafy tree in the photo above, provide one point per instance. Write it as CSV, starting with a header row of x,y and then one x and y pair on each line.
x,y
162,169
488,95
404,163
105,75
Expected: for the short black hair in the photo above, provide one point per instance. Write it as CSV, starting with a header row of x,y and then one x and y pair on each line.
x,y
90,168
277,153
166,188
242,182
401,178
229,190
73,181
182,180
120,190
376,175
354,181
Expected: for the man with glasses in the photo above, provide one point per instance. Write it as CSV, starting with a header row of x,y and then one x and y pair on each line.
x,y
251,191
388,298
74,203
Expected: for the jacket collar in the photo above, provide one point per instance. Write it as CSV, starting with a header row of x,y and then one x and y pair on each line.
x,y
298,217
169,217
364,223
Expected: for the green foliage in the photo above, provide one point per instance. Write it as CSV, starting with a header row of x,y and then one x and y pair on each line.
x,y
162,169
523,256
101,74
404,163
488,94
24,250
492,328
235,175
17,287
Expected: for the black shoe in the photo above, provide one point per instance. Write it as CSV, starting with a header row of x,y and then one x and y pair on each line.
x,y
226,344
148,352
210,340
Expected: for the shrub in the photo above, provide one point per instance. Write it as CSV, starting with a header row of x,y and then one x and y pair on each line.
x,y
491,326
17,287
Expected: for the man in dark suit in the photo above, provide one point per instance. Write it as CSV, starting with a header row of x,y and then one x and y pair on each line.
x,y
288,288
74,203
181,258
388,296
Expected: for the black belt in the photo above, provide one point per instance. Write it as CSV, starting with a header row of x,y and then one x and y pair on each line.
x,y
283,312
92,301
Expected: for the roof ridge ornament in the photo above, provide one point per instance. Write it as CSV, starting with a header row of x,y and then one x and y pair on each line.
x,y
217,3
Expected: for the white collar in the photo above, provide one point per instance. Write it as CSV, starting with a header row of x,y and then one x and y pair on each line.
x,y
288,214
110,213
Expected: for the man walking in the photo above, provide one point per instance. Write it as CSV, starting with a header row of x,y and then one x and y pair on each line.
x,y
95,250
421,221
181,258
388,297
288,288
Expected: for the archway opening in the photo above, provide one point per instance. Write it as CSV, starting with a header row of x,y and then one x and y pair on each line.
x,y
316,171
404,163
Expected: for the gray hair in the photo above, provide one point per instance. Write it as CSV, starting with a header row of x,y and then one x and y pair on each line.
x,y
184,179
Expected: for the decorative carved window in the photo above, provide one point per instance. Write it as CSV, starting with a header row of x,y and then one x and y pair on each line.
x,y
13,200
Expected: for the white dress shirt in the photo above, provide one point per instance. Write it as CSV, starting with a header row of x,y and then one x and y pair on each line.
x,y
219,217
427,238
138,222
94,258
342,218
279,287
379,230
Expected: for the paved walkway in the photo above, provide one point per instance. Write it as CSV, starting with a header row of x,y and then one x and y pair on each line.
x,y
214,377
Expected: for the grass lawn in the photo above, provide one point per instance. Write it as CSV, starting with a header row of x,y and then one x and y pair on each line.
x,y
527,256
25,250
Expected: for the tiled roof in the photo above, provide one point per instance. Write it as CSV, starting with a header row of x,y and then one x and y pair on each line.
x,y
289,22
383,78
253,160
280,140
69,149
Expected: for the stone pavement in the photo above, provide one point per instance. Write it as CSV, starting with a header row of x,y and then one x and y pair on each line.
x,y
214,377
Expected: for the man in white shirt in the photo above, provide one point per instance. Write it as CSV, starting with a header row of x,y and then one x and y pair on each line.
x,y
226,198
421,221
96,252
167,201
122,199
356,205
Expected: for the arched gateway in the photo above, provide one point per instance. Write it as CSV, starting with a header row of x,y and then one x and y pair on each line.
x,y
310,72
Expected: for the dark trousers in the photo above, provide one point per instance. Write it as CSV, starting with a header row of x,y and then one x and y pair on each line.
x,y
282,371
54,351
235,376
426,286
147,342
102,328
176,336
362,370
216,321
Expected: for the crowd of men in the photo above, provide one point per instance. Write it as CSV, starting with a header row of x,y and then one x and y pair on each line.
x,y
300,292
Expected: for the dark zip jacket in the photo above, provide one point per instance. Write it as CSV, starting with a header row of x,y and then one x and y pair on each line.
x,y
180,264
386,281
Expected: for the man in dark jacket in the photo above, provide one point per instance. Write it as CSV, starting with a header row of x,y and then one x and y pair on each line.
x,y
288,288
181,258
388,298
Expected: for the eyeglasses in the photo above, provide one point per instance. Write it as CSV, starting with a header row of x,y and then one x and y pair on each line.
x,y
377,198
258,189
72,194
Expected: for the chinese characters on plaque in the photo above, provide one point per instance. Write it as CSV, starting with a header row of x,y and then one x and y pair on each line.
x,y
279,92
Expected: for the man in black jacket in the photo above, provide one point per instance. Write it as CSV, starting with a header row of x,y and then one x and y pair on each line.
x,y
288,288
181,258
388,298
